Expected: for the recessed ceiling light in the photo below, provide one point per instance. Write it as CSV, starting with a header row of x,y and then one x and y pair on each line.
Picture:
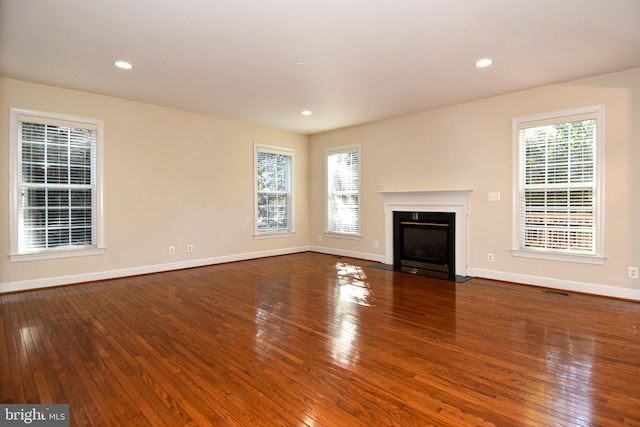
x,y
124,65
485,62
306,113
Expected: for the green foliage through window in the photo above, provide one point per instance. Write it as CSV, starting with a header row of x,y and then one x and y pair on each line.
x,y
274,191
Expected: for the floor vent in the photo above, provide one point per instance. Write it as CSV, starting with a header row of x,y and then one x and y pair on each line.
x,y
549,291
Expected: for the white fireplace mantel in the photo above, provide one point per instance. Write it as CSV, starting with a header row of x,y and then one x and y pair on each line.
x,y
451,201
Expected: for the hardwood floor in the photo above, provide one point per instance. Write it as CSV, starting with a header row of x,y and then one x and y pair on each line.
x,y
319,340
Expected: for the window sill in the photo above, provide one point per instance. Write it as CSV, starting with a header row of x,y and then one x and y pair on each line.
x,y
66,253
348,236
580,259
274,235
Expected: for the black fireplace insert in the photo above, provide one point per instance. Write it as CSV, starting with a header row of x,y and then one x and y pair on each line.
x,y
424,243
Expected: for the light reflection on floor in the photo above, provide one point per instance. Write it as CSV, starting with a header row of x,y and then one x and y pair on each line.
x,y
564,366
353,293
353,285
30,335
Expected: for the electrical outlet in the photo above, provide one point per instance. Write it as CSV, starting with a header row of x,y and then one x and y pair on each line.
x,y
633,272
491,257
319,237
189,248
172,250
375,243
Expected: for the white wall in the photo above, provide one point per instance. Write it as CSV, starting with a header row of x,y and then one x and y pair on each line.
x,y
470,146
171,178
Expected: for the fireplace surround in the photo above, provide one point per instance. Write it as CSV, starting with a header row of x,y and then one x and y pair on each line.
x,y
452,201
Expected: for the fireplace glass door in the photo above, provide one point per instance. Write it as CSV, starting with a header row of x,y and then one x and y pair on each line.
x,y
424,243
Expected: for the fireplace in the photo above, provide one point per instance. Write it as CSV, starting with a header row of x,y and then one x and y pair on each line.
x,y
448,201
424,243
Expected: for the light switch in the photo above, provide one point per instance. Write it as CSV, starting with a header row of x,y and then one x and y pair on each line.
x,y
494,196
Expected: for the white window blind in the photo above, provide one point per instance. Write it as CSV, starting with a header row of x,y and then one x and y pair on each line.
x,y
343,190
56,185
273,195
558,185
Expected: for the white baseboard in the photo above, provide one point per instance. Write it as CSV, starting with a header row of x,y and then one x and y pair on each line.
x,y
26,285
350,254
565,285
547,282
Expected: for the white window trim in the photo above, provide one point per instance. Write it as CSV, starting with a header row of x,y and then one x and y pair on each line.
x,y
336,150
40,116
598,258
277,150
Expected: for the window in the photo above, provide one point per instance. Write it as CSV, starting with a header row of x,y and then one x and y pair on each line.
x,y
273,190
55,185
343,190
559,191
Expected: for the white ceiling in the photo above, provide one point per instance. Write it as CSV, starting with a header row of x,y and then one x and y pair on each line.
x,y
349,61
